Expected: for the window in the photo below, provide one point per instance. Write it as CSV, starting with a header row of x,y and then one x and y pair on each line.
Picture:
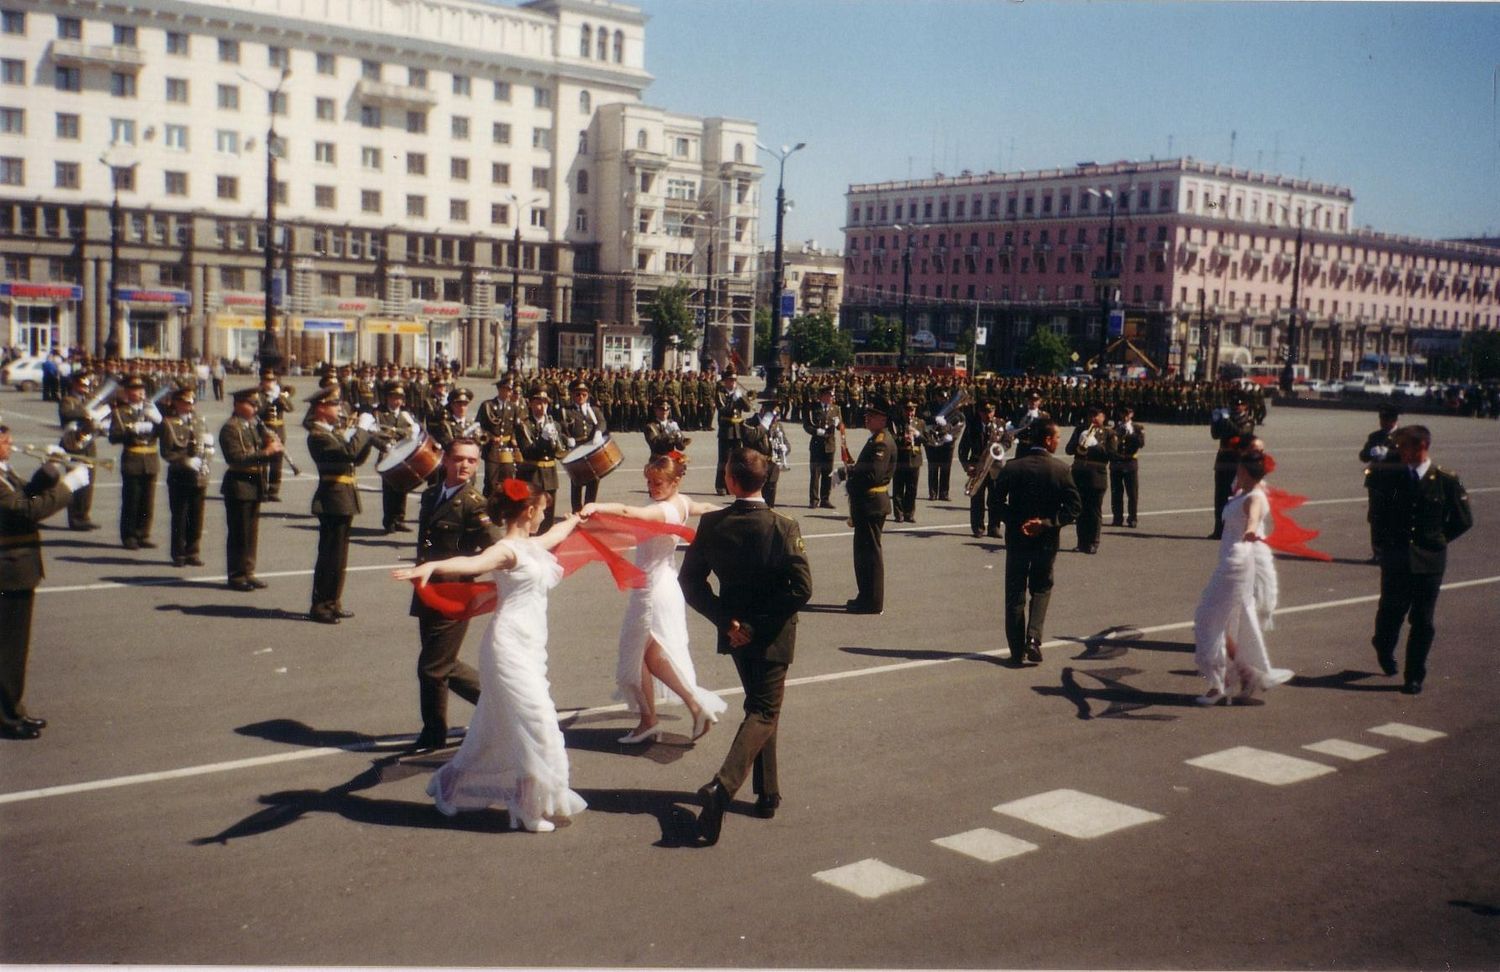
x,y
122,177
585,102
416,122
543,97
69,79
229,51
459,169
69,28
325,152
540,178
12,121
603,45
66,175
463,86
227,141
680,147
585,41
369,158
177,43
278,57
541,138
229,97
325,109
122,130
500,173
125,35
175,183
458,210
369,116
460,126
619,46
502,90
12,71
499,214
177,90
276,102
416,207
175,137
121,84
682,189
539,218
12,22
327,64
67,125
501,133
640,139
416,163
324,197
583,183
228,187
369,201
370,70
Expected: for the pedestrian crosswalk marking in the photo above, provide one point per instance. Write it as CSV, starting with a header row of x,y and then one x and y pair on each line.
x,y
1400,730
1262,766
870,878
1076,814
986,845
1343,749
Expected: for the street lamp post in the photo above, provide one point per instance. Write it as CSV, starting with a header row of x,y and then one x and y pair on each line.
x,y
1108,276
1293,335
112,339
906,249
270,349
778,324
512,352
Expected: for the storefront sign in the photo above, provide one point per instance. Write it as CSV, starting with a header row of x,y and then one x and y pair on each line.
x,y
376,326
20,290
240,321
168,297
323,324
243,300
442,309
353,306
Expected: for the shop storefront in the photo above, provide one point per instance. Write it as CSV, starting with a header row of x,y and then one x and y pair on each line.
x,y
39,317
239,336
408,333
440,335
153,321
327,339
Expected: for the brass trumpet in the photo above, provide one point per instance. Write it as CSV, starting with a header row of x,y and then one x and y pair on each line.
x,y
37,452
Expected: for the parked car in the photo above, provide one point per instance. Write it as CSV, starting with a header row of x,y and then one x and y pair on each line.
x,y
1411,389
1323,387
25,373
1368,383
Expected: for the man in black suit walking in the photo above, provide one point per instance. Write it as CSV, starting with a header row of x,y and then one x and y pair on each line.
x,y
1037,498
1416,512
761,563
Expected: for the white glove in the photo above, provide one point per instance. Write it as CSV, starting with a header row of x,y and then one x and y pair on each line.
x,y
195,464
1378,452
598,437
99,414
1129,428
572,442
208,450
275,391
822,432
153,413
366,421
350,433
207,441
56,452
76,478
941,421
947,438
143,428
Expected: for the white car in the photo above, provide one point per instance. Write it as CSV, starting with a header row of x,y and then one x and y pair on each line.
x,y
1322,387
1412,389
1368,383
24,374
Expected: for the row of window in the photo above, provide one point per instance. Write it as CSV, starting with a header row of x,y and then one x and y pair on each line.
x,y
601,51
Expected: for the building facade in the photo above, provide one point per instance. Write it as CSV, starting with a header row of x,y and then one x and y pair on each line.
x,y
1201,273
431,161
815,276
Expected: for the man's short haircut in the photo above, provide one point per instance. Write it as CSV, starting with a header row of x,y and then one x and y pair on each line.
x,y
747,467
459,440
1417,434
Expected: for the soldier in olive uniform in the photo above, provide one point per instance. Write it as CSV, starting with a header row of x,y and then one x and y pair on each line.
x,y
393,424
497,418
540,439
759,433
135,424
248,448
1380,457
869,505
186,455
1124,468
910,434
1092,446
336,500
1234,430
455,422
451,522
985,439
822,424
942,432
730,407
275,403
583,423
663,434
79,439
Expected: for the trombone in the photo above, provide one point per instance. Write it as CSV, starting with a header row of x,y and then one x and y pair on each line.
x,y
68,458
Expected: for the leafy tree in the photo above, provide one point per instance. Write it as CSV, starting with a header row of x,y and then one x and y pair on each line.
x,y
1481,354
763,335
670,317
816,341
884,335
1046,352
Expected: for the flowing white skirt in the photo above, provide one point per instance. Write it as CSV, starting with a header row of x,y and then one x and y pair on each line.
x,y
1237,604
658,611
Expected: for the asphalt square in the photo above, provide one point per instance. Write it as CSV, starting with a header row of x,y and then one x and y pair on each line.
x,y
1076,814
986,845
1400,730
1261,765
1343,749
870,878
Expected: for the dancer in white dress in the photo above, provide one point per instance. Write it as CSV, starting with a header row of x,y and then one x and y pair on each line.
x,y
654,664
1240,598
513,753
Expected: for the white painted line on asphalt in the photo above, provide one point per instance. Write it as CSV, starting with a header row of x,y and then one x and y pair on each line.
x,y
870,878
1400,730
1343,749
176,774
986,845
1261,766
1076,814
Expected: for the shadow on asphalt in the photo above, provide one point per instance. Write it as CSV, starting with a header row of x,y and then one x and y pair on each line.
x,y
1480,909
1129,534
1119,700
1344,681
665,750
679,825
120,562
290,732
922,654
1116,641
234,611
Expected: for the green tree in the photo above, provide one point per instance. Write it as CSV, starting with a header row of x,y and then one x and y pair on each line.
x,y
1481,355
670,316
1046,352
884,335
762,335
816,341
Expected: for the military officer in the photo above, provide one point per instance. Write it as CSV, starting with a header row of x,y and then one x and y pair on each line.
x,y
730,407
451,522
1234,430
761,434
1124,468
540,439
910,433
79,439
275,403
1380,457
497,418
822,425
455,421
1092,446
187,451
663,434
393,424
942,432
135,424
336,500
985,440
869,505
248,448
583,424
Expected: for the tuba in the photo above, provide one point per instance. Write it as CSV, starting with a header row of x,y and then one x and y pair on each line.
x,y
994,454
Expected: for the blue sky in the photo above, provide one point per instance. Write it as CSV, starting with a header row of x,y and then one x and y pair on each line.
x,y
1395,101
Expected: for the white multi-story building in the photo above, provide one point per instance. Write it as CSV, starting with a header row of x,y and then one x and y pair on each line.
x,y
429,158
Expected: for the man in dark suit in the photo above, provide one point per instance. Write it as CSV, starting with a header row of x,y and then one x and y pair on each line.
x,y
22,506
336,500
1417,511
1092,446
1380,457
764,580
248,448
1234,430
1037,498
869,505
452,522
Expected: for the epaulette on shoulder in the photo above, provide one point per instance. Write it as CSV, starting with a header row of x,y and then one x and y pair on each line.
x,y
781,515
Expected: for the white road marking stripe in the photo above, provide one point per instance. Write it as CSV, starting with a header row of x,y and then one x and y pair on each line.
x,y
870,878
1400,730
986,845
1076,814
176,774
1343,749
1261,766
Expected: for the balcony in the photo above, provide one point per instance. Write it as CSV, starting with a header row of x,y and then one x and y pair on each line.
x,y
1191,248
75,53
1223,251
1161,246
1416,277
395,95
642,159
1079,248
1255,256
1041,248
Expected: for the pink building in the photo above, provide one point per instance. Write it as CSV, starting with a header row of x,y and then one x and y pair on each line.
x,y
1203,268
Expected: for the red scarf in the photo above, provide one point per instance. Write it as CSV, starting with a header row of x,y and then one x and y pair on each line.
x,y
1287,535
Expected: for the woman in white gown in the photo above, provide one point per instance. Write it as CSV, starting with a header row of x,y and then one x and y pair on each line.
x,y
1237,604
513,753
654,664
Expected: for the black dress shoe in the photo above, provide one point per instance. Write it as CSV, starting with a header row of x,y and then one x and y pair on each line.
x,y
426,742
130,544
34,722
1216,535
1117,523
243,586
1412,688
400,528
83,525
1130,524
995,532
1034,650
341,613
1387,663
323,617
715,801
147,544
977,533
859,607
827,506
19,731
257,584
766,804
179,561
194,562
1093,548
273,499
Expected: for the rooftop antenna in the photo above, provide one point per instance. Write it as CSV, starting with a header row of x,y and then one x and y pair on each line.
x,y
1233,136
1301,161
1276,153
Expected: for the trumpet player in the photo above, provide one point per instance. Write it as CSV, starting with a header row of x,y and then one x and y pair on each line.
x,y
663,434
981,451
135,425
764,435
248,448
1124,468
275,403
336,502
22,506
910,434
869,504
79,439
822,424
186,450
1092,446
730,408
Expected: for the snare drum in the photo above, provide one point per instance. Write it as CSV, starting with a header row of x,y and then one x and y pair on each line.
x,y
409,462
592,461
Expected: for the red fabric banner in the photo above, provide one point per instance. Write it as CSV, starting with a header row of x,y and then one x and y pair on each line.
x,y
1287,535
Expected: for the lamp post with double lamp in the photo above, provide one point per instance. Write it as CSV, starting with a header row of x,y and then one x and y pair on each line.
x,y
270,349
118,174
512,351
1107,277
1293,332
778,323
906,248
708,222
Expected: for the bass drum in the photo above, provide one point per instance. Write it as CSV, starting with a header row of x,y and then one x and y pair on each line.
x,y
592,461
409,463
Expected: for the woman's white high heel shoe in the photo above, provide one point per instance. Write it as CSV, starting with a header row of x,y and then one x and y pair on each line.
x,y
1214,697
702,722
650,732
541,825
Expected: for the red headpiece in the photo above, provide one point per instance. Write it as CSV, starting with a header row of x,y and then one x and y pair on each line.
x,y
516,489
